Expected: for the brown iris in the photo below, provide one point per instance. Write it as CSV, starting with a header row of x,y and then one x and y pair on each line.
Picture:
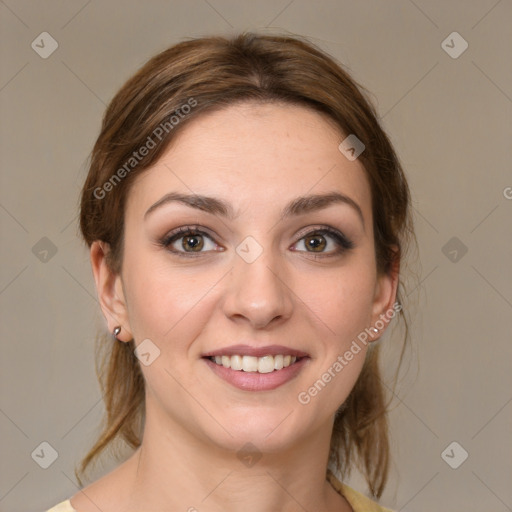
x,y
195,242
316,246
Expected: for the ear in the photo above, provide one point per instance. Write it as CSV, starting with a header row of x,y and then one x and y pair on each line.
x,y
384,298
109,288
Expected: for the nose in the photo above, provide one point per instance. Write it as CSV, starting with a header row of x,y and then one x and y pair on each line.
x,y
258,293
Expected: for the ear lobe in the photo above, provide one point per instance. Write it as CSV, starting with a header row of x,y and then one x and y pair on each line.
x,y
110,291
385,298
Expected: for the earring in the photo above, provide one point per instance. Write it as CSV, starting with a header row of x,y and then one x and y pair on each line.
x,y
375,331
117,330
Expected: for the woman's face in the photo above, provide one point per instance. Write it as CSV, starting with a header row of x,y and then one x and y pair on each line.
x,y
257,269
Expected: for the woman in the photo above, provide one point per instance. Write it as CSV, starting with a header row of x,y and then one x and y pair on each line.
x,y
246,217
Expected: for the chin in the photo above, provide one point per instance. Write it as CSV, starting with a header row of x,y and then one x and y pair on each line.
x,y
272,430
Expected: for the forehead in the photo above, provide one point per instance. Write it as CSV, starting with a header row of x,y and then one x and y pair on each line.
x,y
254,155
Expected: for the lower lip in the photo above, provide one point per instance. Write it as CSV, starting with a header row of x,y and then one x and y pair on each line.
x,y
254,381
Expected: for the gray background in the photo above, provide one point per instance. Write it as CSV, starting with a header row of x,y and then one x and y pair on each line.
x,y
450,120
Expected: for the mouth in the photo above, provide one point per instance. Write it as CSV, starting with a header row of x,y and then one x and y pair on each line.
x,y
253,364
257,369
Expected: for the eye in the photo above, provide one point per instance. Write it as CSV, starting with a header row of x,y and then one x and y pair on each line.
x,y
189,241
324,242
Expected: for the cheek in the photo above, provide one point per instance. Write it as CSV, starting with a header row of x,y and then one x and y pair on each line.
x,y
341,301
166,304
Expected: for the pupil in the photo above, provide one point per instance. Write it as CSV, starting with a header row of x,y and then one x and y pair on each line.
x,y
193,241
315,243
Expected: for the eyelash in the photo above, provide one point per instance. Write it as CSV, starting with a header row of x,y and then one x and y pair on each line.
x,y
343,242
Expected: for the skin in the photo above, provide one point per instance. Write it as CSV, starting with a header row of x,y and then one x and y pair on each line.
x,y
257,157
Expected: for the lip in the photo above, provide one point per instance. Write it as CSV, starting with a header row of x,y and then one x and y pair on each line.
x,y
254,381
248,350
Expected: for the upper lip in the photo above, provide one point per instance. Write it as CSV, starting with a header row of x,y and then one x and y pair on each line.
x,y
247,350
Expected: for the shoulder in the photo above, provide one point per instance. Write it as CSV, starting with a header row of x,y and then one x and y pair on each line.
x,y
109,492
63,506
359,502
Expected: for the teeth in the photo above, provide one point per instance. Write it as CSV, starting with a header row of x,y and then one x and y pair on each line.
x,y
249,364
265,364
236,363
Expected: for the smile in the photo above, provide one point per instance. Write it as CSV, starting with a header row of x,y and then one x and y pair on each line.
x,y
265,364
250,373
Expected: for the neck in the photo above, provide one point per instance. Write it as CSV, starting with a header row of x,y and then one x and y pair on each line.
x,y
174,470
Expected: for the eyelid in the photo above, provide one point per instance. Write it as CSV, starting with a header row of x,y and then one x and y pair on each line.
x,y
185,230
342,241
320,228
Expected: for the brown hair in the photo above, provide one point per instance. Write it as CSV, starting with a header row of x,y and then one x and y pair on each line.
x,y
207,74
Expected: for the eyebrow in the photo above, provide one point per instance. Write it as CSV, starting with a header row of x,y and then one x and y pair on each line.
x,y
298,206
